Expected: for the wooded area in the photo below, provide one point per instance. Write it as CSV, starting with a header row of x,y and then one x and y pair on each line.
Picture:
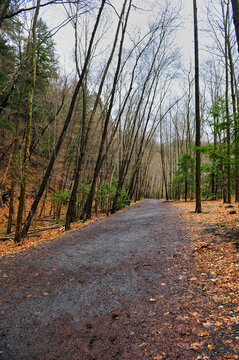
x,y
128,124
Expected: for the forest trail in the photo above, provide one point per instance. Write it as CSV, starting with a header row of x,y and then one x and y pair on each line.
x,y
125,287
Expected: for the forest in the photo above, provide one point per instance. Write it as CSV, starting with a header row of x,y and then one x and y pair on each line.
x,y
121,125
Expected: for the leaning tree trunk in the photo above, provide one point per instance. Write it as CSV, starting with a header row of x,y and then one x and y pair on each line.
x,y
88,205
67,122
71,211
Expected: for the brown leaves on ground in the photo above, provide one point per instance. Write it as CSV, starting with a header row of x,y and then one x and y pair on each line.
x,y
202,322
214,237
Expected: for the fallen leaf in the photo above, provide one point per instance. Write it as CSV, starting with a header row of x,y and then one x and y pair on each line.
x,y
210,347
208,324
166,313
202,333
159,357
195,346
44,293
152,300
163,284
54,269
194,313
29,295
182,317
218,323
143,343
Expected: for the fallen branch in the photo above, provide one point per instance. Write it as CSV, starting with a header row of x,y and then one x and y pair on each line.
x,y
33,233
204,246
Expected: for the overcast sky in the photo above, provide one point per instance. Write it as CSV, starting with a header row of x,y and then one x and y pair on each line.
x,y
64,39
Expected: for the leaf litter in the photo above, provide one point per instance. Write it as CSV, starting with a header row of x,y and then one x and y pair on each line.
x,y
206,326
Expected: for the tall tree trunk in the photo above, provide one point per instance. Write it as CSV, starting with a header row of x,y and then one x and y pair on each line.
x,y
163,162
16,145
14,166
228,125
67,122
235,117
28,129
213,175
3,10
197,113
71,210
186,189
235,7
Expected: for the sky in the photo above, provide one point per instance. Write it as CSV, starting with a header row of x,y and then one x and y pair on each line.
x,y
64,38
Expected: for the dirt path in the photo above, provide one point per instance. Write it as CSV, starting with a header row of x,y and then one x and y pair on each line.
x,y
123,288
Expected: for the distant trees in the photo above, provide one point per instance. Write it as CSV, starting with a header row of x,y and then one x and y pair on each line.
x,y
219,108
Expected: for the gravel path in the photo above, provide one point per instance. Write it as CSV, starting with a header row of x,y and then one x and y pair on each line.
x,y
112,290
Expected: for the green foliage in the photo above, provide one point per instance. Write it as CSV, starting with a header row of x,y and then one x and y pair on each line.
x,y
84,188
185,172
185,163
46,57
218,119
59,195
7,124
185,169
123,200
7,63
101,195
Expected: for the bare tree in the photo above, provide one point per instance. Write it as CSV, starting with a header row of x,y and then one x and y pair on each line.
x,y
197,113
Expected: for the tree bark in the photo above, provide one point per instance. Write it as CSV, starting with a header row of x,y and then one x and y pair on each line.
x,y
3,10
228,134
197,113
235,117
235,7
